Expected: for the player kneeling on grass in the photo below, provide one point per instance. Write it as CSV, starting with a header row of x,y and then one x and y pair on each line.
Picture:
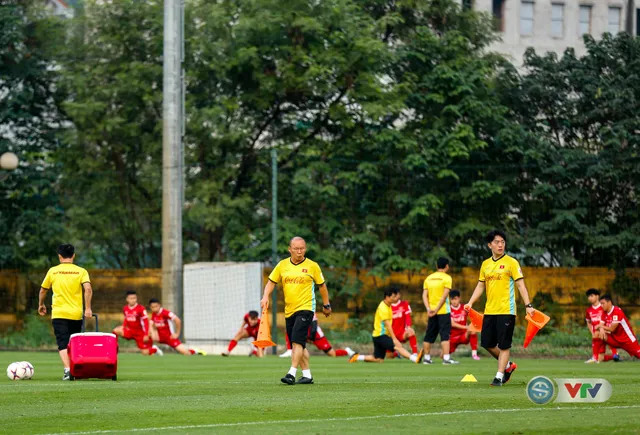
x,y
384,340
402,323
249,329
616,330
460,333
165,326
136,326
317,337
595,314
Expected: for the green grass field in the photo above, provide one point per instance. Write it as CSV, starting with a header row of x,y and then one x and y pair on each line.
x,y
198,395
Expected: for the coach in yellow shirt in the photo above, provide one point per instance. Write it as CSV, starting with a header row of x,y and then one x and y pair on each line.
x,y
435,295
299,277
500,275
67,282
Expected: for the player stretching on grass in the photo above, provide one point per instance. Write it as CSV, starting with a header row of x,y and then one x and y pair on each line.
x,y
402,324
616,330
460,333
435,295
317,337
595,313
384,340
299,277
136,326
166,327
249,329
500,274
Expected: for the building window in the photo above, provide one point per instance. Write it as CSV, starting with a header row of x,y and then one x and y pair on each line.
x,y
467,4
526,18
585,19
614,20
637,22
557,20
498,14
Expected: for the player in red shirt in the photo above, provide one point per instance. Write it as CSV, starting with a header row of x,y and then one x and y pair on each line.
x,y
594,315
402,322
317,337
460,333
136,326
165,326
616,330
249,328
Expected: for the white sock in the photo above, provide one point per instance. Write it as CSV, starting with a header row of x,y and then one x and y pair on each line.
x,y
293,371
427,357
67,370
413,358
446,357
360,358
306,373
499,375
474,353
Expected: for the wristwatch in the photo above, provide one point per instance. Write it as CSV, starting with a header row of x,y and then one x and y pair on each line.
x,y
529,306
328,306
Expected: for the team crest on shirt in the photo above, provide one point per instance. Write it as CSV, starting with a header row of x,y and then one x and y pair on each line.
x,y
502,266
304,270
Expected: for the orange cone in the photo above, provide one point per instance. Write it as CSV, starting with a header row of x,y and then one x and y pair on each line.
x,y
264,332
536,323
476,320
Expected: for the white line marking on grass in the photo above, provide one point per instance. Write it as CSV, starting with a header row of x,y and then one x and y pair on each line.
x,y
364,417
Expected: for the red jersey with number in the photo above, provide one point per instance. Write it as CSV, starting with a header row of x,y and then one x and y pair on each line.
x,y
135,319
458,315
162,321
594,315
623,333
401,312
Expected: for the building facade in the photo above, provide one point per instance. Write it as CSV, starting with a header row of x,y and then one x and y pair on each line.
x,y
554,25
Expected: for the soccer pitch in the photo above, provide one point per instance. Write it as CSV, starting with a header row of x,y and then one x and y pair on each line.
x,y
198,395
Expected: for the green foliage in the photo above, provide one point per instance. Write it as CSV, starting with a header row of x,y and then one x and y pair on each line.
x,y
36,333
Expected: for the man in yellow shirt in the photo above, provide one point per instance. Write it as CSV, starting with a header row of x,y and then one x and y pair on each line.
x,y
67,282
435,295
500,274
299,277
384,339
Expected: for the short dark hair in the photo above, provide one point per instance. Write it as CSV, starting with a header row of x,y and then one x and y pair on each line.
x,y
592,291
606,297
394,290
454,294
130,292
389,292
493,233
154,301
253,314
442,262
66,250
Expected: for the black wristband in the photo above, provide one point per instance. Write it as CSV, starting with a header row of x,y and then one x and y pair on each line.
x,y
529,306
328,306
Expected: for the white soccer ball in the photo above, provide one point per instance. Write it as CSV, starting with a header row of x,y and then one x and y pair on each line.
x,y
29,369
16,371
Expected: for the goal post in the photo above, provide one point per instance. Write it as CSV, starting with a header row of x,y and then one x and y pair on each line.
x,y
216,297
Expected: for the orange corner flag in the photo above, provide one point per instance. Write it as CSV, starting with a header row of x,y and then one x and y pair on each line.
x,y
476,320
535,323
264,332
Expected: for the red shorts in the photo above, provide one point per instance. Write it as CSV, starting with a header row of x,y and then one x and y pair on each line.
x,y
138,336
322,344
252,331
400,335
458,339
632,349
166,339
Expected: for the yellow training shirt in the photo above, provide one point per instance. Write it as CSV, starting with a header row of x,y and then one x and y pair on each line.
x,y
435,284
500,277
384,312
298,283
65,280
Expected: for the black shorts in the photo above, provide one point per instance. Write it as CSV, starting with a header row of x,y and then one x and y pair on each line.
x,y
381,345
63,328
497,330
438,324
298,327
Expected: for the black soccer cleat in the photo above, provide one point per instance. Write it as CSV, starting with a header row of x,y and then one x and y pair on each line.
x,y
288,379
616,358
304,380
508,372
496,382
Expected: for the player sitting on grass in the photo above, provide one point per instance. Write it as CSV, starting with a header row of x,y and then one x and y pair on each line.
x,y
317,337
165,326
249,328
136,326
595,312
384,340
402,321
616,330
460,333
